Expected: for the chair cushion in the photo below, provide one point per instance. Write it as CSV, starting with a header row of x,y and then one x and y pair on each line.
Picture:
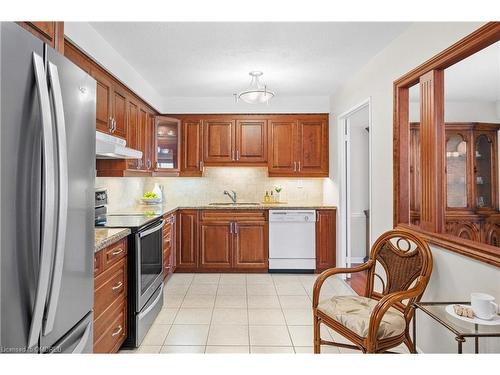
x,y
354,313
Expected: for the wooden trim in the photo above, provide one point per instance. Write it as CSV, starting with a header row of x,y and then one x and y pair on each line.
x,y
476,250
431,150
433,206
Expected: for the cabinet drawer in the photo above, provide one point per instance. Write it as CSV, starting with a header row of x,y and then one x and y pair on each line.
x,y
98,263
109,286
114,253
233,215
113,331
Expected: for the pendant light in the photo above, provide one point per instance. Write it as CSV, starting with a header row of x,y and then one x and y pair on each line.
x,y
256,92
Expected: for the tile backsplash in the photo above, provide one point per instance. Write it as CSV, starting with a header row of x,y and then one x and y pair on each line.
x,y
249,183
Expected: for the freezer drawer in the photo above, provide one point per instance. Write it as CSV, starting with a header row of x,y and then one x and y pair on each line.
x,y
78,340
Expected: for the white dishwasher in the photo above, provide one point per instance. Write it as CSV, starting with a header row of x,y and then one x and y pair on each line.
x,y
292,240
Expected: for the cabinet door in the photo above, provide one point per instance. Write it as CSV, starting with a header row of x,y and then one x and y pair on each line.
x,y
119,104
50,32
218,141
103,101
325,239
146,134
215,244
282,137
251,245
312,147
485,167
133,133
187,239
251,141
191,147
167,144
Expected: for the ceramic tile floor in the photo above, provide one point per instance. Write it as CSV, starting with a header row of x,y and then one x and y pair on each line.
x,y
239,313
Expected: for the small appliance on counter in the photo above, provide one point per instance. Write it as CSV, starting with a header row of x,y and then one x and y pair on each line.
x,y
101,200
145,267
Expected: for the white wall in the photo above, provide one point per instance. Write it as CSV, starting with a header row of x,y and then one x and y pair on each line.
x,y
462,111
92,43
454,276
279,104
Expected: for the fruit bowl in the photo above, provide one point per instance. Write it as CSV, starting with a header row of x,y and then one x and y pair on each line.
x,y
151,200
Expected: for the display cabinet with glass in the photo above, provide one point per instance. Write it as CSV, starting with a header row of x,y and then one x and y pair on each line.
x,y
167,145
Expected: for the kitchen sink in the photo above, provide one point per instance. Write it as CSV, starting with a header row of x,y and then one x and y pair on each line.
x,y
234,204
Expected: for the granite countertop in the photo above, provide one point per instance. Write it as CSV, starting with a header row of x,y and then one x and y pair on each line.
x,y
166,208
108,236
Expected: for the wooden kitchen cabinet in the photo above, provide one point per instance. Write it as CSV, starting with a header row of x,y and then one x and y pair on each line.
x,y
119,105
282,136
110,298
233,241
169,245
187,240
191,147
167,145
251,141
133,133
104,91
326,239
298,146
215,244
250,246
218,141
50,32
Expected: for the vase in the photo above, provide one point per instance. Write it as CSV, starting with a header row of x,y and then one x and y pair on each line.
x,y
158,191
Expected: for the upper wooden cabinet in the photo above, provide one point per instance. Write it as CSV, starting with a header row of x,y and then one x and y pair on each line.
x,y
235,139
119,105
104,89
251,141
167,145
218,141
282,137
191,147
298,146
50,32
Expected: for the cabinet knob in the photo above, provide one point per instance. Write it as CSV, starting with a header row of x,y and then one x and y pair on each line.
x,y
117,286
117,331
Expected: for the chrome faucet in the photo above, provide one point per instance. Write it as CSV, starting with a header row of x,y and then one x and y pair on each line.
x,y
232,196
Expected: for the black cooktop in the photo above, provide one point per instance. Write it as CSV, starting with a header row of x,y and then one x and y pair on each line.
x,y
127,221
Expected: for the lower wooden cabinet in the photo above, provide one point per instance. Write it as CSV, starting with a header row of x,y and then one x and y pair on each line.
x,y
110,297
223,241
251,245
237,240
187,240
169,245
326,239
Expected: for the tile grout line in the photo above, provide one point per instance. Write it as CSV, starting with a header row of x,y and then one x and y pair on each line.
x,y
212,316
248,316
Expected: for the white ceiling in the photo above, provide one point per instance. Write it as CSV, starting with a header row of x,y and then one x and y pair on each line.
x,y
213,59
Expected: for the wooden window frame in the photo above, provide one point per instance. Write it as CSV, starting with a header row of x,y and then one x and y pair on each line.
x,y
429,76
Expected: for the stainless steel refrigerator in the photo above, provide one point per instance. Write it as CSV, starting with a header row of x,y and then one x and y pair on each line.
x,y
47,160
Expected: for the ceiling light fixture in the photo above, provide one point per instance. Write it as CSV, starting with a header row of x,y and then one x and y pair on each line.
x,y
256,92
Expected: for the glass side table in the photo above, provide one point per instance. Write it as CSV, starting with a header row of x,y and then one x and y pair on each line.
x,y
461,329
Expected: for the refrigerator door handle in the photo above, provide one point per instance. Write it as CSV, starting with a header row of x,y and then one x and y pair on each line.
x,y
83,341
62,214
48,218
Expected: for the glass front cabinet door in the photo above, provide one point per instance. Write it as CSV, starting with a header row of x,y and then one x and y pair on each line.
x,y
485,160
167,145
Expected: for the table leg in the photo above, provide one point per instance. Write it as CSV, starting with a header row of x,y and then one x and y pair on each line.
x,y
460,341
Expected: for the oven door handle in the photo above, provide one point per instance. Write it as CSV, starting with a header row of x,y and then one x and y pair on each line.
x,y
152,230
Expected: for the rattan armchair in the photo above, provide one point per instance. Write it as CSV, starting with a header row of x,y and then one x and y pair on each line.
x,y
379,320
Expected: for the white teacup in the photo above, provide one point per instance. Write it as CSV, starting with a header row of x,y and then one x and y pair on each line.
x,y
483,305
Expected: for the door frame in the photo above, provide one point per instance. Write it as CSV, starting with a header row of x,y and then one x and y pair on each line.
x,y
344,178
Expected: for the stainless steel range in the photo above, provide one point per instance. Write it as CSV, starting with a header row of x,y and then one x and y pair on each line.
x,y
145,266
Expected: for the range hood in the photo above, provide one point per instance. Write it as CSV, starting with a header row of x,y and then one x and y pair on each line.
x,y
111,147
